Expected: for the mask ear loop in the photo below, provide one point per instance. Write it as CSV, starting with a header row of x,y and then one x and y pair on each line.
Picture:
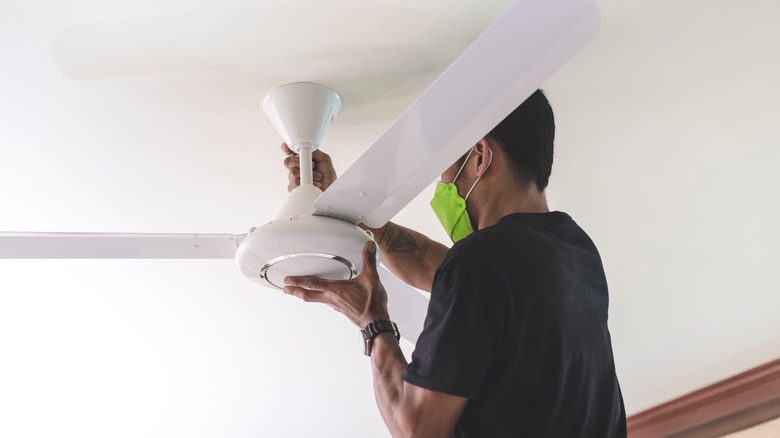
x,y
463,166
490,161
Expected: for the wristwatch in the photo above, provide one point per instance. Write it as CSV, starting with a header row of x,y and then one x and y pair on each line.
x,y
374,328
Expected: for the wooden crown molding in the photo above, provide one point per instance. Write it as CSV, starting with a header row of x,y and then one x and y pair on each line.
x,y
744,400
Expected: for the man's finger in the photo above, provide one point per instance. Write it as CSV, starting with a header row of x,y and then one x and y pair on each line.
x,y
310,289
320,156
291,163
311,296
286,149
311,283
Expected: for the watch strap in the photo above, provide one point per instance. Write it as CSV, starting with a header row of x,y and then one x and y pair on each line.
x,y
374,328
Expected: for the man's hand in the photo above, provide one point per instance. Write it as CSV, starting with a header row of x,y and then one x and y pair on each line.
x,y
323,173
362,299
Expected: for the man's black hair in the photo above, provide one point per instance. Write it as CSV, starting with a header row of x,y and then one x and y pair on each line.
x,y
526,136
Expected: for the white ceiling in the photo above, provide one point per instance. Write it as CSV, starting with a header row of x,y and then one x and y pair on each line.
x,y
142,117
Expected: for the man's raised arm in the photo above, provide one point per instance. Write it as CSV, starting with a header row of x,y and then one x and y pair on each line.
x,y
408,254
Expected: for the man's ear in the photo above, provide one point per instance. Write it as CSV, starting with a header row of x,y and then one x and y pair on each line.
x,y
484,156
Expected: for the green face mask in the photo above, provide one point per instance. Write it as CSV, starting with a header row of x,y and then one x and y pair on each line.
x,y
450,207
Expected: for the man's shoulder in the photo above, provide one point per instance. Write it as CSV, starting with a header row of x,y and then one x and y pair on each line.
x,y
469,251
481,251
509,231
521,239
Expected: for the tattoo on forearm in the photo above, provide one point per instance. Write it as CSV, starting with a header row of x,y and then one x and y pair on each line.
x,y
398,240
424,250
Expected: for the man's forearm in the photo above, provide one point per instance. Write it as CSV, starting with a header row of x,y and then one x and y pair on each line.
x,y
408,410
402,416
388,363
409,255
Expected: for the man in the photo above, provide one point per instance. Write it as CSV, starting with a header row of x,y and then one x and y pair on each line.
x,y
515,342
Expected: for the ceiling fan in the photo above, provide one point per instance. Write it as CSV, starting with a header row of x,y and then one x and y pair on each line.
x,y
316,233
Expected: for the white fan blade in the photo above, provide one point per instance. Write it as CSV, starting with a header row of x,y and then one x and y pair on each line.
x,y
117,246
505,65
406,305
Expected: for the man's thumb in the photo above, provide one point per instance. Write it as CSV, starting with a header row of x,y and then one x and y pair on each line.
x,y
369,257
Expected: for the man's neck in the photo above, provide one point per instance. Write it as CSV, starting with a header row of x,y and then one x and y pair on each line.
x,y
525,199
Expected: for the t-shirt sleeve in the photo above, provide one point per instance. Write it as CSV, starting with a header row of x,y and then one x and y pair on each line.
x,y
461,336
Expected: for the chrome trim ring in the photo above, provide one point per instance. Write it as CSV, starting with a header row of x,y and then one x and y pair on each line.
x,y
264,270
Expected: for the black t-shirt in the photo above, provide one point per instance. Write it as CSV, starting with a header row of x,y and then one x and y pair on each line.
x,y
517,323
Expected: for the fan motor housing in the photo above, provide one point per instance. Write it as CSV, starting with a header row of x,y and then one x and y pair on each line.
x,y
302,245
